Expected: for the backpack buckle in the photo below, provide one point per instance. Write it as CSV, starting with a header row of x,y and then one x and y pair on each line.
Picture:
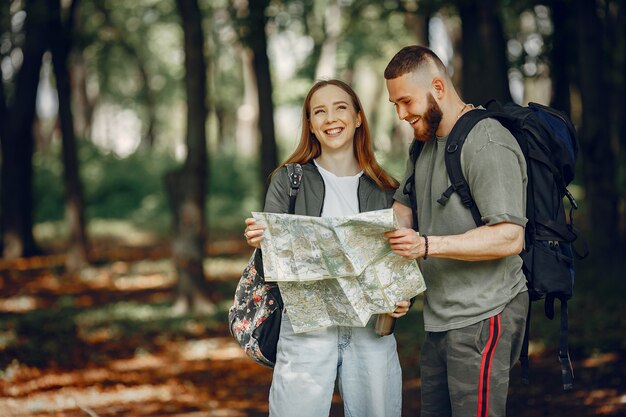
x,y
295,179
294,172
445,196
463,191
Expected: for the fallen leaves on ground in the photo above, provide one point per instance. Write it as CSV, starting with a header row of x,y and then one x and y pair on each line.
x,y
131,358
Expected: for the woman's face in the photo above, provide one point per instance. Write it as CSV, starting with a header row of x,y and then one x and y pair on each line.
x,y
333,118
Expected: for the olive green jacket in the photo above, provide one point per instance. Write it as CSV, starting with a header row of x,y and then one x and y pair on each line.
x,y
310,199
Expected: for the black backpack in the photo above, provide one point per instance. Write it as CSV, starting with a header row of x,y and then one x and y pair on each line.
x,y
547,139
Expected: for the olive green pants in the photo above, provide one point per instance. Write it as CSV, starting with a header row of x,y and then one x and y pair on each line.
x,y
465,372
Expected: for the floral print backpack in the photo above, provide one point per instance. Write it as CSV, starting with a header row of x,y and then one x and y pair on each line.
x,y
255,316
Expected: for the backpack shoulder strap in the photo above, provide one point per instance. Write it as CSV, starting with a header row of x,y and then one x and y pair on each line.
x,y
452,158
294,171
409,186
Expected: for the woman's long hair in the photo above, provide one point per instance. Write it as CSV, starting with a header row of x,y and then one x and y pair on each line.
x,y
309,147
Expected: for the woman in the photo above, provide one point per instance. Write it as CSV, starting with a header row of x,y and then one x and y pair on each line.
x,y
340,177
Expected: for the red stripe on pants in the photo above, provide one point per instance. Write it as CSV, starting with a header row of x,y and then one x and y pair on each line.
x,y
485,366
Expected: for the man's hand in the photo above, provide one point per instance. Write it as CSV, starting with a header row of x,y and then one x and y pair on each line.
x,y
406,243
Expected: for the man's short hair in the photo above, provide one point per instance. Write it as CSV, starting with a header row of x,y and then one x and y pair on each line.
x,y
411,58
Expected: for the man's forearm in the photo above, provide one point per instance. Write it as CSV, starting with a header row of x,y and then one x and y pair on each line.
x,y
480,244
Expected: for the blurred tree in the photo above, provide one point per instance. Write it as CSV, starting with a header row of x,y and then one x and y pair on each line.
x,y
388,36
483,50
614,13
186,187
417,19
252,21
28,39
562,55
327,62
128,60
594,134
60,45
5,18
224,79
620,108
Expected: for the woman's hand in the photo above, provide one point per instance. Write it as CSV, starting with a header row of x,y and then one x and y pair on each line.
x,y
253,233
402,307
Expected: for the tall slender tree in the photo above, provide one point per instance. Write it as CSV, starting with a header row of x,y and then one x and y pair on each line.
x,y
254,36
621,28
4,25
594,135
483,48
327,63
60,45
615,12
561,56
16,194
187,186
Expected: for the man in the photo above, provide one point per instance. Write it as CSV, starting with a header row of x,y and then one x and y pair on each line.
x,y
476,303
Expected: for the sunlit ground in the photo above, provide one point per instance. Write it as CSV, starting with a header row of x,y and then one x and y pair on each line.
x,y
108,343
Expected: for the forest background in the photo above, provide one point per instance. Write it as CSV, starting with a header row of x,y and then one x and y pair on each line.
x,y
136,137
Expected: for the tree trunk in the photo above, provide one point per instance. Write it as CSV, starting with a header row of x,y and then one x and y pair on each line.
x,y
620,27
247,130
187,187
83,105
4,27
148,138
418,24
615,16
598,159
257,41
561,54
485,66
327,63
17,141
60,36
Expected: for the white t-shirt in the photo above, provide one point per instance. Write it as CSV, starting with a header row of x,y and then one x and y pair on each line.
x,y
341,195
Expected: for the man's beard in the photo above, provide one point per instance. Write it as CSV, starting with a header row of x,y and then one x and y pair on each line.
x,y
431,119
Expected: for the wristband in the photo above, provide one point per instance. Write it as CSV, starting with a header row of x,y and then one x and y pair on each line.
x,y
425,246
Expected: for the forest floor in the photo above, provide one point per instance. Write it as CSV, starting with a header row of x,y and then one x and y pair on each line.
x,y
106,343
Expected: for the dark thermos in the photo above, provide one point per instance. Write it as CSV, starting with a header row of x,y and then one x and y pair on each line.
x,y
384,324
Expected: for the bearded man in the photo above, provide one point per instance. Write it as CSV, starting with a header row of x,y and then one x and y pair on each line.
x,y
476,304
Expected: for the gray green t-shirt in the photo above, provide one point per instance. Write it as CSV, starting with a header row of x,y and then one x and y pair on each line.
x,y
461,293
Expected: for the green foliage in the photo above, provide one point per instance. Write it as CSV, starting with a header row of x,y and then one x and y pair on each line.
x,y
234,192
129,188
132,188
132,52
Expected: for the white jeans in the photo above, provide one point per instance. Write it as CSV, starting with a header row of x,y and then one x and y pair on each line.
x,y
307,364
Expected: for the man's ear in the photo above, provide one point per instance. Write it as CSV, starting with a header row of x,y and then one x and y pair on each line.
x,y
439,87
